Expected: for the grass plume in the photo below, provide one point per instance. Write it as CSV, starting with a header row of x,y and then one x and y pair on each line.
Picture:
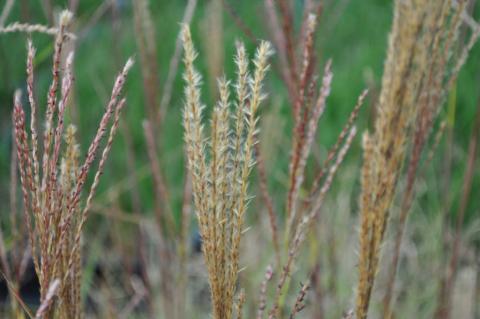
x,y
53,183
415,81
220,176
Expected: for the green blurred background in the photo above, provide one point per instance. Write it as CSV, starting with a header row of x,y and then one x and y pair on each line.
x,y
353,33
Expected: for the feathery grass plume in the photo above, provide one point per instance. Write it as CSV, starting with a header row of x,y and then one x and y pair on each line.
x,y
281,25
415,81
221,165
302,228
366,223
308,108
263,292
303,113
307,111
300,301
440,74
31,28
311,212
297,61
14,247
52,184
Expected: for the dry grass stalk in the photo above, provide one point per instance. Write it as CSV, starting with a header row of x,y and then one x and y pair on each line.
x,y
23,309
240,303
446,287
300,301
365,226
147,45
13,268
220,179
297,66
279,41
288,32
436,143
164,218
302,228
333,151
272,214
281,25
263,292
31,28
306,112
46,303
52,184
307,109
164,213
7,269
140,292
332,170
309,7
212,28
7,8
420,47
476,294
284,277
184,241
241,25
11,272
305,131
446,23
5,266
308,106
318,290
175,60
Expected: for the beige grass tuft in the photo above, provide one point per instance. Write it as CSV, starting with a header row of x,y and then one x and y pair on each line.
x,y
221,165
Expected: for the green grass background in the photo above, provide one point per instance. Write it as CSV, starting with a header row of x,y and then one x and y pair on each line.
x,y
355,37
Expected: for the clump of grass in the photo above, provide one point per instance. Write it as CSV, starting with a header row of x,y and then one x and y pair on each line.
x,y
220,176
52,183
416,78
308,94
309,100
